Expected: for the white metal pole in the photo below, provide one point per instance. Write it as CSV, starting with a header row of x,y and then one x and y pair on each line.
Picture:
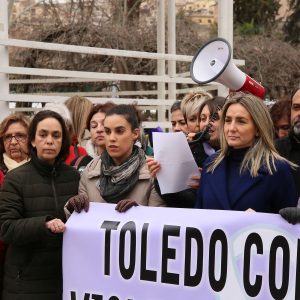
x,y
161,68
171,47
225,20
225,29
4,61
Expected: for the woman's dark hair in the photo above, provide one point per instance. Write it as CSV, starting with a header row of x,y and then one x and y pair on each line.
x,y
213,104
129,112
294,91
45,114
279,109
175,106
104,108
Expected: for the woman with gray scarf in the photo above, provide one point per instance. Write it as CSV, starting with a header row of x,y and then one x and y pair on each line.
x,y
120,175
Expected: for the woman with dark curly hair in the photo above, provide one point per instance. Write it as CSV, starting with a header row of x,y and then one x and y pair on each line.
x,y
32,212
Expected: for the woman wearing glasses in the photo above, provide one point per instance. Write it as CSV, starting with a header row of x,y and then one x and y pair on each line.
x,y
13,153
13,142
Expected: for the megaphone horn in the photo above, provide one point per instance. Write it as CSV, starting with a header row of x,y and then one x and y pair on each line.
x,y
213,62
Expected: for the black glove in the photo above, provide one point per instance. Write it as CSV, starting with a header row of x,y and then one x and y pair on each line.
x,y
125,204
291,214
78,203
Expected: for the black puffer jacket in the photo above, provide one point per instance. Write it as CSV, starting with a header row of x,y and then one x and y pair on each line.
x,y
31,195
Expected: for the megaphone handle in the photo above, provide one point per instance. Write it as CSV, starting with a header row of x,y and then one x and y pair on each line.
x,y
253,87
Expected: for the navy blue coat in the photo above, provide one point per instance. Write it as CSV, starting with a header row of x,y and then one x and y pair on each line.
x,y
264,193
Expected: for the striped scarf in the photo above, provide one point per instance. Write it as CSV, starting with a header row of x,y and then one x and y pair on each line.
x,y
117,181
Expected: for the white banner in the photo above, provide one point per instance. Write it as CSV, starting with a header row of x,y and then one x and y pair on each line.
x,y
168,253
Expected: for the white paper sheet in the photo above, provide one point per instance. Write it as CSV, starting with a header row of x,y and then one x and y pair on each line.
x,y
177,163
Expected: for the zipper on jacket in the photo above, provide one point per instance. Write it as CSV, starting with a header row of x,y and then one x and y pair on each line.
x,y
19,274
53,173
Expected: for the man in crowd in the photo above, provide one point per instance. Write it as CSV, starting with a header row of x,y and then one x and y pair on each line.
x,y
289,147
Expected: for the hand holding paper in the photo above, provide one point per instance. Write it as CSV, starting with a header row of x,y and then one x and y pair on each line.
x,y
177,163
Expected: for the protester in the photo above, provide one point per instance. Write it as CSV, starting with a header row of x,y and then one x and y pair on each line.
x,y
80,108
190,106
76,153
247,173
120,172
281,114
207,109
13,142
187,198
190,109
96,144
13,153
177,119
209,119
289,147
31,212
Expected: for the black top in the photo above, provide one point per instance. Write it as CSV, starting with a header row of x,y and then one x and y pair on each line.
x,y
289,148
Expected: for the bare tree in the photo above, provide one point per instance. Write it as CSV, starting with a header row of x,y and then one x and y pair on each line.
x,y
271,61
88,23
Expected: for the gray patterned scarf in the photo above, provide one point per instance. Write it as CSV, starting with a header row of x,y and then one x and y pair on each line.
x,y
117,181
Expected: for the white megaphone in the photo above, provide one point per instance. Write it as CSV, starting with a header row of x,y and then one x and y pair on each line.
x,y
213,62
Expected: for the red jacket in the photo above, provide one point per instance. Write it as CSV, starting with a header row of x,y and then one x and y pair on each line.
x,y
1,177
72,155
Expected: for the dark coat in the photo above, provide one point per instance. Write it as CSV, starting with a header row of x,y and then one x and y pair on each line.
x,y
199,154
185,198
264,193
31,195
3,171
289,148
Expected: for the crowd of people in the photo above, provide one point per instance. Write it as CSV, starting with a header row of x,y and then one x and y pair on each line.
x,y
71,154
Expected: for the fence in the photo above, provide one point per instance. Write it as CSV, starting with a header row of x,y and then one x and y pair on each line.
x,y
158,102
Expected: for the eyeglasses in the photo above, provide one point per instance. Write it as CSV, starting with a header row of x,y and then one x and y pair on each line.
x,y
20,137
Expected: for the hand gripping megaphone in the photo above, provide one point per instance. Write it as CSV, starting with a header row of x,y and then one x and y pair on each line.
x,y
213,62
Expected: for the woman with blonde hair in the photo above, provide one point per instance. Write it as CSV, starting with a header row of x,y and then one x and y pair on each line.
x,y
80,108
190,106
247,172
